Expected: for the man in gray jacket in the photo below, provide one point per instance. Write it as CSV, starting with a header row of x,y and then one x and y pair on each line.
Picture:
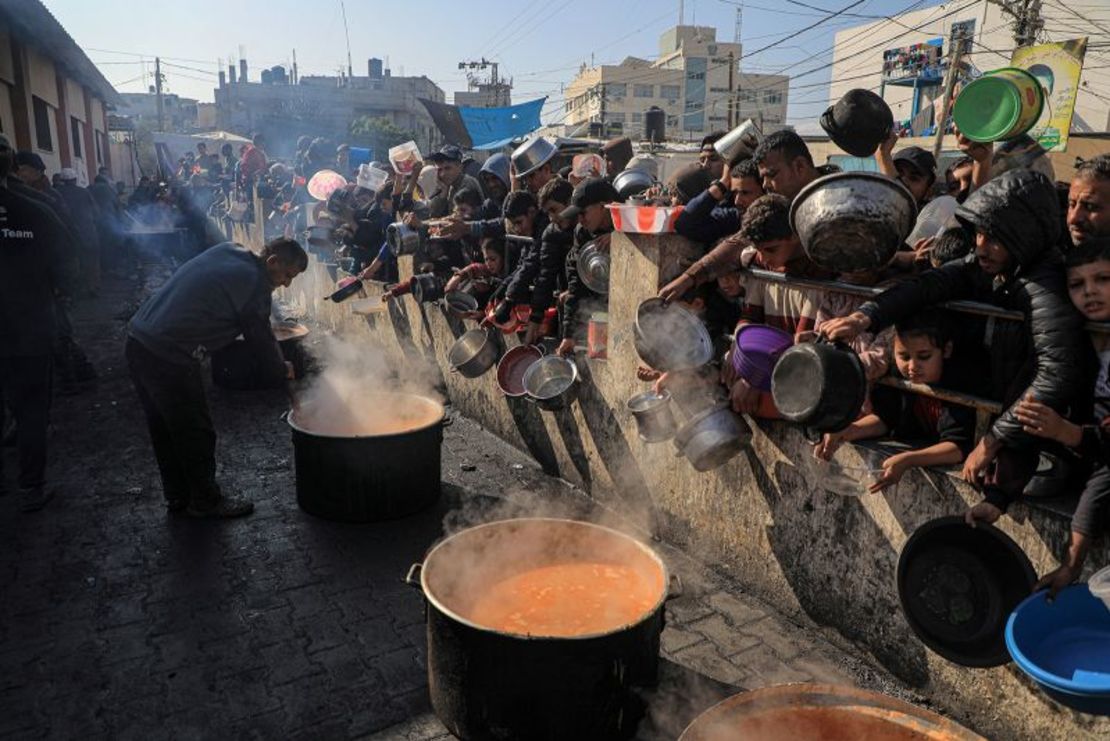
x,y
212,299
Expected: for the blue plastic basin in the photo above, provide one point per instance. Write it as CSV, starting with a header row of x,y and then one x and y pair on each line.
x,y
1064,646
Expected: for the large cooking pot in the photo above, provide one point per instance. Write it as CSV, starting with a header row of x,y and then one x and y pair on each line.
x,y
551,382
821,385
402,239
670,338
493,676
632,182
853,221
474,353
532,155
378,468
654,418
712,437
825,712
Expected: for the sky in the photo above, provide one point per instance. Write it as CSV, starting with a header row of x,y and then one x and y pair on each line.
x,y
538,43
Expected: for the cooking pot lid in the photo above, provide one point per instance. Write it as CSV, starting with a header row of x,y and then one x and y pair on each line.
x,y
593,268
670,338
958,585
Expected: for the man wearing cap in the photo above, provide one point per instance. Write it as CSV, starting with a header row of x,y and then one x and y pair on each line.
x,y
83,210
588,206
523,218
914,167
30,234
448,162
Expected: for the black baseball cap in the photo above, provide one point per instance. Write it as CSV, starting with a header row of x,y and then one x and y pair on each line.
x,y
589,192
30,159
918,159
449,153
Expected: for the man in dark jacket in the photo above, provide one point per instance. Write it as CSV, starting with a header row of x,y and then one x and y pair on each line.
x,y
1016,220
29,236
523,218
715,213
108,225
617,153
555,242
85,216
210,300
494,177
589,207
1089,201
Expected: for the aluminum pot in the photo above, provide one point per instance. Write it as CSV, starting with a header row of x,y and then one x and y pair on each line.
x,y
402,239
551,382
532,155
712,437
632,181
460,303
474,353
593,268
853,221
821,385
427,287
364,478
670,338
654,418
487,684
740,142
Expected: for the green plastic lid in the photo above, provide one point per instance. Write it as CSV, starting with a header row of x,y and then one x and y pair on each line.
x,y
987,109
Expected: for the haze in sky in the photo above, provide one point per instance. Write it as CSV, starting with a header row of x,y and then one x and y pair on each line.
x,y
538,43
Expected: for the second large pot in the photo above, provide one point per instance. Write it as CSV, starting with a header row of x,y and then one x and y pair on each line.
x,y
489,683
821,385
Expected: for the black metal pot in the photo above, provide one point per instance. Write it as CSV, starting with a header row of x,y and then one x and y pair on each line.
x,y
821,385
372,477
488,685
427,287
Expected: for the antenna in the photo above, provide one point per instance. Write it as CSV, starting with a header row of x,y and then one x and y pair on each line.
x,y
347,33
681,12
739,23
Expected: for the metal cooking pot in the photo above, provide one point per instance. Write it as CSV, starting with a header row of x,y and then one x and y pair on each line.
x,y
513,365
853,221
821,385
345,291
712,437
593,268
487,684
460,303
551,382
474,353
532,155
427,287
670,338
740,142
402,239
632,181
653,416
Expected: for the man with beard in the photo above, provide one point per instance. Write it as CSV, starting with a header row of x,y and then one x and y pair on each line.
x,y
1089,201
448,162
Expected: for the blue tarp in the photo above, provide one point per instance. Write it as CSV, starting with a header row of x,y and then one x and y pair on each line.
x,y
485,128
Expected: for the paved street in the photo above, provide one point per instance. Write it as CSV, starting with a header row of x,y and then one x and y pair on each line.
x,y
117,620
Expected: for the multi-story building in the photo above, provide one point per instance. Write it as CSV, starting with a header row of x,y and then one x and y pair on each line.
x,y
763,99
53,99
904,58
178,114
284,108
696,82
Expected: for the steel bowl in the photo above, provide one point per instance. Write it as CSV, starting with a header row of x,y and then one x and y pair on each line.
x,y
533,154
593,268
670,338
474,353
551,382
632,181
853,221
712,437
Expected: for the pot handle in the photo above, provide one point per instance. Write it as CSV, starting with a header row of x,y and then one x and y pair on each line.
x,y
412,578
674,589
447,422
812,435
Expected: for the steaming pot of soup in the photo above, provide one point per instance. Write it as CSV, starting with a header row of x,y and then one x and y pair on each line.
x,y
377,461
820,712
540,629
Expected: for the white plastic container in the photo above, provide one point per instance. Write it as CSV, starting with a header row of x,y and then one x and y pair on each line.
x,y
1099,584
404,157
371,178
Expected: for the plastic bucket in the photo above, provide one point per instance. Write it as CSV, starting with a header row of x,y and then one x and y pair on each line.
x,y
1002,104
597,336
404,157
756,352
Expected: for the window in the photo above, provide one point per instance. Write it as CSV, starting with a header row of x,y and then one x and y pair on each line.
x,y
75,128
614,117
99,147
637,117
616,89
670,92
643,91
748,96
774,97
42,125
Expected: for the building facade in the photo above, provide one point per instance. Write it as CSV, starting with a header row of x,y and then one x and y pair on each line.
x,y
179,114
763,99
904,58
53,99
323,105
696,81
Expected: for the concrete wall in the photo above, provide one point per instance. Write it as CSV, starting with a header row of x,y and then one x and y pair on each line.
x,y
763,517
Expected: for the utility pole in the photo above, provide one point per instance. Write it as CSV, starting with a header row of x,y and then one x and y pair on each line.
x,y
1027,19
731,91
158,89
955,54
347,33
601,113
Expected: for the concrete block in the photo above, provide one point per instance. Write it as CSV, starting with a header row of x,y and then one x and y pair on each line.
x,y
728,639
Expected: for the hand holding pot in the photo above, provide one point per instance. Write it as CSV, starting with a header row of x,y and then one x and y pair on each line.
x,y
565,348
975,467
676,288
452,228
846,328
744,398
1056,580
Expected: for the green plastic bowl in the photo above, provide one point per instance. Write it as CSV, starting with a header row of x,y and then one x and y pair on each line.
x,y
1000,105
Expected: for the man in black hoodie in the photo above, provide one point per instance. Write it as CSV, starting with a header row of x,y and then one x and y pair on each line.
x,y
1016,266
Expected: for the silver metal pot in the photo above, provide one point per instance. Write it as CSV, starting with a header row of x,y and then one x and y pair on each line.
x,y
593,268
670,338
551,382
402,239
712,437
853,221
741,141
632,181
460,303
653,416
474,353
532,155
